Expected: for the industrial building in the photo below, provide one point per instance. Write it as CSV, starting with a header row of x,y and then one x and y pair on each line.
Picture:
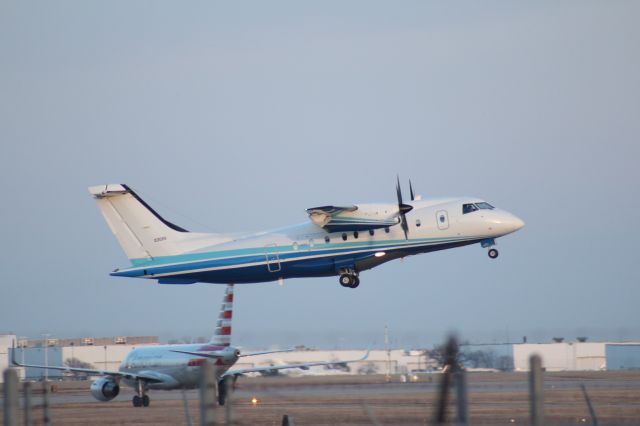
x,y
6,341
89,352
108,353
579,355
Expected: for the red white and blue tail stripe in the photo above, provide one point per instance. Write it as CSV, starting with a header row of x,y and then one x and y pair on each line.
x,y
222,335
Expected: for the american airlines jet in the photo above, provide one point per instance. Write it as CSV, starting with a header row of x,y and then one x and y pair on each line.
x,y
337,240
169,367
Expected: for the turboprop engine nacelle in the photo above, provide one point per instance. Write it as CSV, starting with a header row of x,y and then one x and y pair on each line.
x,y
105,389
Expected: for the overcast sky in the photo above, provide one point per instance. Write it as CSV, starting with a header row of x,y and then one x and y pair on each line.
x,y
230,116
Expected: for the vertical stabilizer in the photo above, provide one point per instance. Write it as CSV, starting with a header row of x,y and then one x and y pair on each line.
x,y
140,230
222,335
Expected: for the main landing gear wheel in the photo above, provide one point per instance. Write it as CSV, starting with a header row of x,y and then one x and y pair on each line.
x,y
141,399
493,253
350,281
346,280
222,392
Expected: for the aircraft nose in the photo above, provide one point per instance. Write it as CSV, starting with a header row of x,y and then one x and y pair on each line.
x,y
517,223
503,222
512,222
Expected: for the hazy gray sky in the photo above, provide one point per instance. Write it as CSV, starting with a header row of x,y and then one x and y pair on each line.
x,y
238,116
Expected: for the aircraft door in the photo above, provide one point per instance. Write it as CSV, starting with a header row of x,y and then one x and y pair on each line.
x,y
273,258
442,218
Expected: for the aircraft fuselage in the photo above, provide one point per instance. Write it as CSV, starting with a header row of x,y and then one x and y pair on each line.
x,y
174,370
308,250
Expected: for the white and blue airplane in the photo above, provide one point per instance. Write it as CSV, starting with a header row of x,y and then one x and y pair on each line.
x,y
337,240
171,367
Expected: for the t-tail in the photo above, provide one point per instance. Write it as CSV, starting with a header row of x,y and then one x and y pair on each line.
x,y
142,233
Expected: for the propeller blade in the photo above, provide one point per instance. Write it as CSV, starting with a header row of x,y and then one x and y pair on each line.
x,y
399,191
405,226
411,191
403,209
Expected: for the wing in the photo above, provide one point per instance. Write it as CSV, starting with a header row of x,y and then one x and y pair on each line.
x,y
266,352
303,366
335,219
89,371
201,354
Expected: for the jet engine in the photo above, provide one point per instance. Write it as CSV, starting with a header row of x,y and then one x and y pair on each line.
x,y
229,354
105,389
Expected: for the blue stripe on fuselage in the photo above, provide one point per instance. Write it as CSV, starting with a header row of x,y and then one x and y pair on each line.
x,y
301,262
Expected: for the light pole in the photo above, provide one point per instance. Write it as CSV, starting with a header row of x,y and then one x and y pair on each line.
x,y
45,339
105,357
22,339
386,344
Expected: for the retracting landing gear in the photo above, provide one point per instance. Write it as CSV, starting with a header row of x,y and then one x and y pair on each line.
x,y
349,278
141,399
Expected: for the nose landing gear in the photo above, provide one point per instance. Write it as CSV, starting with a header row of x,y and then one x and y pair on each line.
x,y
488,243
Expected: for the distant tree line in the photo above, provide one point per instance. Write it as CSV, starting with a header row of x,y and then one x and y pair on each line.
x,y
474,358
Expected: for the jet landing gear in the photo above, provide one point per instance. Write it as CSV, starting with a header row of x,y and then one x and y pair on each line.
x,y
349,278
141,399
493,253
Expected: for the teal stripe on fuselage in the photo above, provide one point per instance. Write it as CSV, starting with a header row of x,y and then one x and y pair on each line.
x,y
247,255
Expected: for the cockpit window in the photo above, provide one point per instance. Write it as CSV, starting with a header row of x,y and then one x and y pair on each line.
x,y
484,205
468,208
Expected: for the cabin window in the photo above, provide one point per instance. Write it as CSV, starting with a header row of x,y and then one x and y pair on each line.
x,y
468,208
386,229
418,223
355,234
371,232
327,239
344,236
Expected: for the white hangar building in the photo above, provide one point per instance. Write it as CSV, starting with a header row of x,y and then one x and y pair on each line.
x,y
90,352
579,356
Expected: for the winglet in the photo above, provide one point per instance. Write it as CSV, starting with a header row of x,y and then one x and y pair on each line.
x,y
366,355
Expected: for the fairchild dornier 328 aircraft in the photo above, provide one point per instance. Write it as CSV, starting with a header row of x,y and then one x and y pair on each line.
x,y
337,240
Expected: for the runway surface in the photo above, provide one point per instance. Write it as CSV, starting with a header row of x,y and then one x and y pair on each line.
x,y
494,398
